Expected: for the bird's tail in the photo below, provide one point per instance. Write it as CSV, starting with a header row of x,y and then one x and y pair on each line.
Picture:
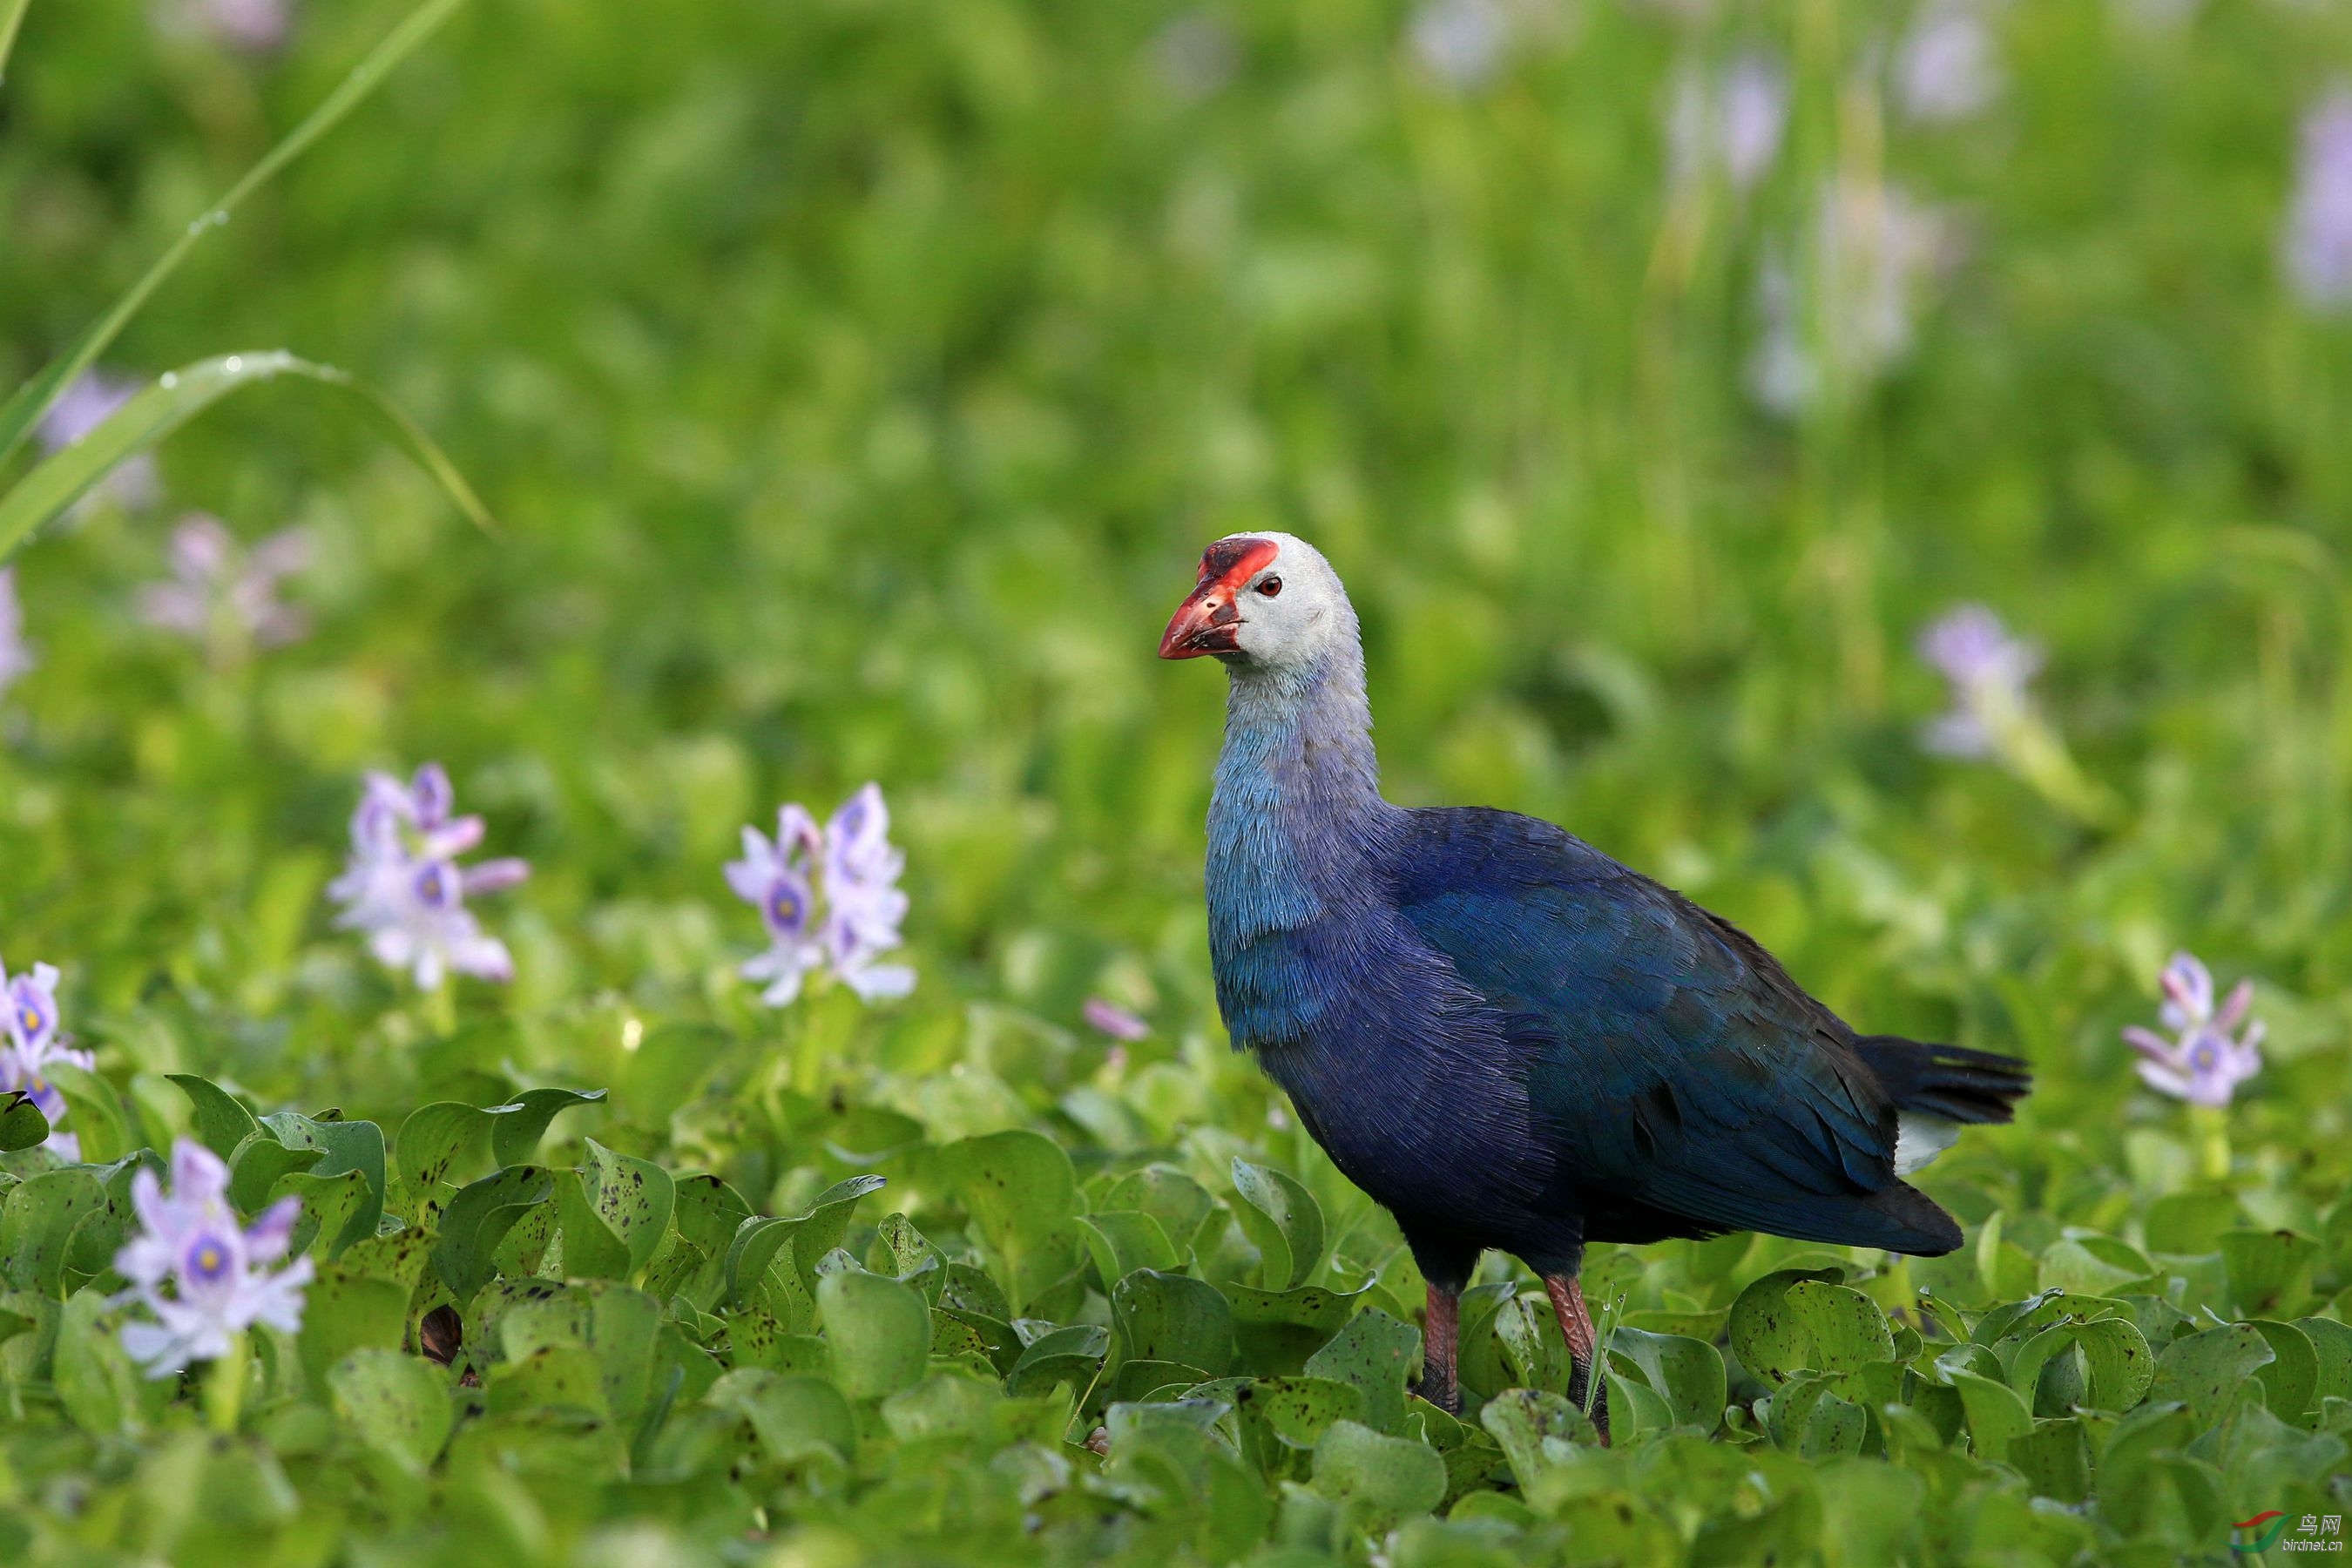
x,y
1952,1082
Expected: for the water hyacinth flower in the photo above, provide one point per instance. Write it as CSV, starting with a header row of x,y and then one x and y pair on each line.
x,y
81,409
1842,314
2214,1050
1460,42
255,27
1733,120
2318,241
1948,65
1110,1018
16,653
33,1041
829,899
223,595
217,1274
1988,670
403,887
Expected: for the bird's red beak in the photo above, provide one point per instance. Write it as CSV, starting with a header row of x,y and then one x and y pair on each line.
x,y
1210,621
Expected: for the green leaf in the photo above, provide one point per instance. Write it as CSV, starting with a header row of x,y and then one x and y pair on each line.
x,y
1173,1318
222,1121
880,1331
344,1310
523,1122
1794,1320
329,1203
1124,1240
101,1388
397,1405
2206,1370
2270,1270
435,1138
1023,1197
1378,1354
37,1227
479,1218
22,1125
591,1249
348,1146
2331,1344
93,1112
1809,1417
911,1258
1275,1330
792,1416
1380,1479
178,396
2189,1223
1687,1375
255,1169
1996,1416
2290,1378
1539,1432
1298,1411
1179,1203
1282,1221
1073,1355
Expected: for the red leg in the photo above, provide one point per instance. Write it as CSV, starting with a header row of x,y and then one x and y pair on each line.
x,y
1576,1328
1440,1331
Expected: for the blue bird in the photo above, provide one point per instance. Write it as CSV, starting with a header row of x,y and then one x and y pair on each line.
x,y
1506,1039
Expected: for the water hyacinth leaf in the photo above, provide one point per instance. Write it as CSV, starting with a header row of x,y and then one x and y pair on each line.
x,y
178,396
1381,1480
1532,1348
346,1146
1995,1413
434,1138
479,1218
910,1257
524,1122
591,1249
1022,1194
2189,1223
827,1223
258,1163
2290,1379
1275,1330
1378,1354
1282,1220
707,1212
551,1377
101,1388
1687,1375
329,1204
2331,1344
94,1111
1173,1318
1845,1327
1772,1339
1179,1203
397,1405
1124,1240
343,1310
22,1125
750,1251
1809,1417
2206,1372
633,1198
792,1416
37,1227
221,1121
2269,1270
1071,1355
880,1331
1538,1431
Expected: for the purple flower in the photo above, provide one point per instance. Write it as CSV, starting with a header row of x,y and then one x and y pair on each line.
x,y
862,905
189,1240
222,595
1116,1021
2319,242
1948,65
1988,670
81,409
1872,251
2212,1054
1735,121
257,27
1460,42
16,653
402,886
32,1041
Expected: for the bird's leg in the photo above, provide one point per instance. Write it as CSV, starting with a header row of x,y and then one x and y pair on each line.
x,y
1440,1331
1584,1349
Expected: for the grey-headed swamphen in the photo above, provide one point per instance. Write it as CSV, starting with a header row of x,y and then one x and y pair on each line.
x,y
1502,1036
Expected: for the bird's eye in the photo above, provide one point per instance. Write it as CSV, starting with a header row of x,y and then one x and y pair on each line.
x,y
1270,587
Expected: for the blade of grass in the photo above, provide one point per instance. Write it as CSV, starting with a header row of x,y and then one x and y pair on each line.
x,y
12,16
30,401
178,398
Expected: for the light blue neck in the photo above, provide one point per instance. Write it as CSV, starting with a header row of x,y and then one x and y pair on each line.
x,y
1298,803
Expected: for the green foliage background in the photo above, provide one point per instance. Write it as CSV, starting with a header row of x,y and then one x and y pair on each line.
x,y
854,382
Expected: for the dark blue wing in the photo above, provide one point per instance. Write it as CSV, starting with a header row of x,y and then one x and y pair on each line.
x,y
1671,1060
